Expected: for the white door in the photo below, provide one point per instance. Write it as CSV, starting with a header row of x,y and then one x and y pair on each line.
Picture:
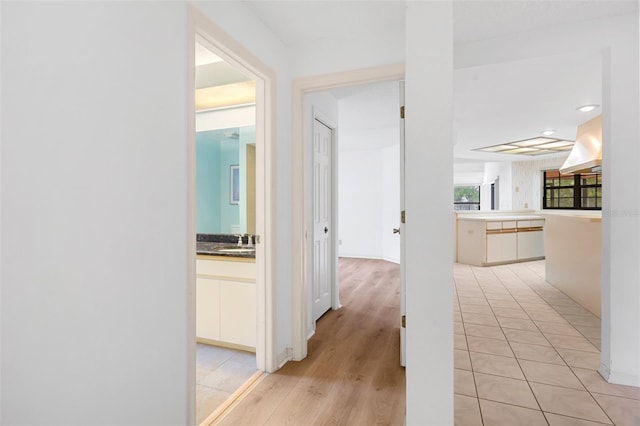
x,y
321,289
403,308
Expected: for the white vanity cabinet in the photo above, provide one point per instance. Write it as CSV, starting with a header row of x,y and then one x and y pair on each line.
x,y
226,301
492,240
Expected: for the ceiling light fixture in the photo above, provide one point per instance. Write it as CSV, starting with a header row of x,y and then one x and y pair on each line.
x,y
533,146
548,132
587,108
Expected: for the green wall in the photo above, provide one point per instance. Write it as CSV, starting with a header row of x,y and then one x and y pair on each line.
x,y
216,151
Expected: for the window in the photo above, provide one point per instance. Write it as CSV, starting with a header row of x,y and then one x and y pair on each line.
x,y
466,198
579,191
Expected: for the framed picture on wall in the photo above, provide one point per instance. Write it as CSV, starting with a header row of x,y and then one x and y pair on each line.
x,y
234,184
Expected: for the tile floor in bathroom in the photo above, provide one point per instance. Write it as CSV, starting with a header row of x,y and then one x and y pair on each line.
x,y
526,354
219,372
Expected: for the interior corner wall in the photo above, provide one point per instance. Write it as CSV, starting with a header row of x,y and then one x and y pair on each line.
x,y
237,20
94,219
526,177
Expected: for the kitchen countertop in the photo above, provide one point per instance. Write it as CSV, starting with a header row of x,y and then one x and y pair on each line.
x,y
581,216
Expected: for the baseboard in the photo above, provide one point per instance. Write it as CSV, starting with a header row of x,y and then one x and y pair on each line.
x,y
618,378
371,257
284,357
225,344
357,256
233,400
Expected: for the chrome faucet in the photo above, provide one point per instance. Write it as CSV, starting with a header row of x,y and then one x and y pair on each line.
x,y
239,240
249,240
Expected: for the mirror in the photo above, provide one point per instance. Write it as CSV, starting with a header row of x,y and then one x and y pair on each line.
x,y
225,181
225,147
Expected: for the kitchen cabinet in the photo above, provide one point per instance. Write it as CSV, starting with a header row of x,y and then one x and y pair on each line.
x,y
226,302
502,247
492,239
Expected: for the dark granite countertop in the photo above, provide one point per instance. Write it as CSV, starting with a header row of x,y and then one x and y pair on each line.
x,y
223,245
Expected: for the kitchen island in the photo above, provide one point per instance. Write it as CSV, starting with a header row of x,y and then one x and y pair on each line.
x,y
573,255
498,238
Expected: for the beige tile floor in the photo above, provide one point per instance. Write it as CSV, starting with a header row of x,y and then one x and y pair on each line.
x,y
219,372
526,354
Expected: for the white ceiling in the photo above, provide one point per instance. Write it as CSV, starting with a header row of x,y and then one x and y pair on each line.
x,y
492,104
512,101
299,22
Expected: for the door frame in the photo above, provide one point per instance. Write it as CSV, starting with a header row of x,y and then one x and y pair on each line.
x,y
301,191
199,26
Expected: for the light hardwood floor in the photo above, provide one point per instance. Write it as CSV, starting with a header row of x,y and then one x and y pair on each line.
x,y
352,375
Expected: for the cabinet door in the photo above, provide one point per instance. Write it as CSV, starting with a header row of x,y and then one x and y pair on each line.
x,y
238,313
502,247
510,247
207,309
530,244
494,248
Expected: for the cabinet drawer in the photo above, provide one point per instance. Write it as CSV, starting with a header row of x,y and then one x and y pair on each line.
x,y
524,224
494,225
539,222
219,268
511,224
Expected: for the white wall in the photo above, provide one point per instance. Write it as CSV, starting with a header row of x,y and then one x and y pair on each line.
x,y
369,203
617,39
502,172
526,177
322,56
429,230
94,225
360,202
94,233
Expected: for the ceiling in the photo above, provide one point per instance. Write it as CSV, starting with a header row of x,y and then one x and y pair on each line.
x,y
302,22
512,101
492,104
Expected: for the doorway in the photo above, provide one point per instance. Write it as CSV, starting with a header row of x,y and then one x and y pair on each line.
x,y
250,231
301,255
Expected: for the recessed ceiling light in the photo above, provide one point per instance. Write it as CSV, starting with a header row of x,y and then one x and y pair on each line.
x,y
587,108
548,132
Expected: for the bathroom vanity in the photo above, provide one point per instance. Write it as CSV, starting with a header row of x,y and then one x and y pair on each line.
x,y
226,295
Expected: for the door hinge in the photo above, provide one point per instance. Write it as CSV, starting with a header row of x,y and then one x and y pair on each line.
x,y
404,321
402,111
402,218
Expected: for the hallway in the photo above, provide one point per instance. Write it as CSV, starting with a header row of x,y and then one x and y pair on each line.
x,y
352,374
